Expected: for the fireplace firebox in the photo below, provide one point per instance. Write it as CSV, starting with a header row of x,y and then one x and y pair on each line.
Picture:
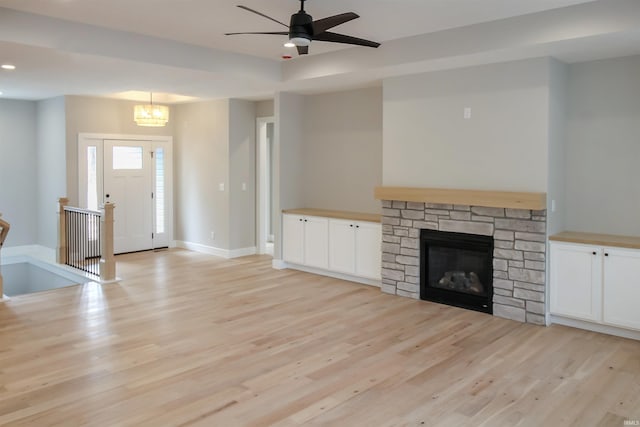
x,y
457,269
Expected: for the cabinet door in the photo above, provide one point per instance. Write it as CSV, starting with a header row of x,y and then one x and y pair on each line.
x,y
621,288
342,246
576,281
368,249
316,242
293,238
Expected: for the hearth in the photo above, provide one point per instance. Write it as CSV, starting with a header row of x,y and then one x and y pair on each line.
x,y
457,269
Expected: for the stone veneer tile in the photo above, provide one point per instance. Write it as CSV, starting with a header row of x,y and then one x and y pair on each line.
x,y
534,256
439,206
503,284
415,205
466,227
409,214
514,302
392,274
399,205
483,211
530,276
535,307
503,244
518,213
508,312
508,254
530,246
388,289
534,237
500,264
460,216
520,225
535,319
461,208
387,203
402,293
504,235
528,295
391,212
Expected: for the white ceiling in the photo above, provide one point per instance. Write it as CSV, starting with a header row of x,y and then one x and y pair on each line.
x,y
104,47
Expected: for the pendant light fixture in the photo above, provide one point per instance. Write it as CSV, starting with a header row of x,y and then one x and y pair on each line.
x,y
151,115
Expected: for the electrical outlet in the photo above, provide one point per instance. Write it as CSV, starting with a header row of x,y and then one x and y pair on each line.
x,y
466,113
213,236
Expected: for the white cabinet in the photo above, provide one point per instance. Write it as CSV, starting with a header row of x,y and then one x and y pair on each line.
x,y
355,247
576,283
305,240
342,246
621,288
595,283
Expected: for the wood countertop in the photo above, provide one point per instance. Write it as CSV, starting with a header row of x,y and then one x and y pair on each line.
x,y
632,242
354,216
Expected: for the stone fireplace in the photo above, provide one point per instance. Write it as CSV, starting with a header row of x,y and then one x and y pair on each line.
x,y
519,251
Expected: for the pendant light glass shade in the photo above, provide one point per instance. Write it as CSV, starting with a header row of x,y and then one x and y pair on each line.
x,y
151,115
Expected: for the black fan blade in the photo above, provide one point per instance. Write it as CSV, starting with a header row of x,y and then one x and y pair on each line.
x,y
341,38
262,14
302,50
322,25
278,33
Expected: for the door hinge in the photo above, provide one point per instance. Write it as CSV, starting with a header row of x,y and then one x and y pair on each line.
x,y
152,236
152,194
152,154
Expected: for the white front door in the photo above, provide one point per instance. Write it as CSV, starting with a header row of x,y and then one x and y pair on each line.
x,y
128,184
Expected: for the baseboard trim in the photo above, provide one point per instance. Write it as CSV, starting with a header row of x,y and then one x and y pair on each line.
x,y
211,250
280,264
595,327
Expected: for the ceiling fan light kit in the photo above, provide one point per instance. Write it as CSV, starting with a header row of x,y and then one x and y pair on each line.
x,y
303,29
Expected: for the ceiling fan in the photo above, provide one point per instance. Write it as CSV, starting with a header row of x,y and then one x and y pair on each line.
x,y
303,29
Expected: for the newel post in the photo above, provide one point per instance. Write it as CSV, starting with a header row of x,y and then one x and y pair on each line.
x,y
61,250
107,258
4,230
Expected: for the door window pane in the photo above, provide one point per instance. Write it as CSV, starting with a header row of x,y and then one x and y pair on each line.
x,y
127,158
92,178
160,195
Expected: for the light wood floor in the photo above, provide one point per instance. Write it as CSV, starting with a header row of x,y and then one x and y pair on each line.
x,y
188,339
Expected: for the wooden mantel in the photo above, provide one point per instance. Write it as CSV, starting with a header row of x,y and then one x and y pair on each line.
x,y
492,199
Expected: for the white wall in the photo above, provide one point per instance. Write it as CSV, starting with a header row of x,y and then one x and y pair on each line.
x,y
342,157
603,147
201,164
427,143
18,173
242,171
51,163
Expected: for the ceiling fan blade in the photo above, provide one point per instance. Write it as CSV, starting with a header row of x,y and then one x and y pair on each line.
x,y
322,25
341,38
262,14
278,33
302,50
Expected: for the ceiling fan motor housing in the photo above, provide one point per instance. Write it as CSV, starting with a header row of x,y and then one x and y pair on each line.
x,y
301,27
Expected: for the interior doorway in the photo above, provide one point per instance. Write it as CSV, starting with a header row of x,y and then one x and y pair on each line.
x,y
265,216
134,173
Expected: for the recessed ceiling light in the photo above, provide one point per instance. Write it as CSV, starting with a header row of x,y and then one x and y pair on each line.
x,y
0,93
8,67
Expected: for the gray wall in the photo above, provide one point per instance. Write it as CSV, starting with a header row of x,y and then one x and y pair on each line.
x,y
100,115
18,173
557,137
264,108
288,191
52,167
342,158
201,159
427,143
242,170
603,147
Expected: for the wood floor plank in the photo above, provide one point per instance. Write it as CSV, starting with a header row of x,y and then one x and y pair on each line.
x,y
188,339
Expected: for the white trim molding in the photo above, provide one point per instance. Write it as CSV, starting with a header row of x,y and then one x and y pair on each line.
x,y
210,250
279,264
